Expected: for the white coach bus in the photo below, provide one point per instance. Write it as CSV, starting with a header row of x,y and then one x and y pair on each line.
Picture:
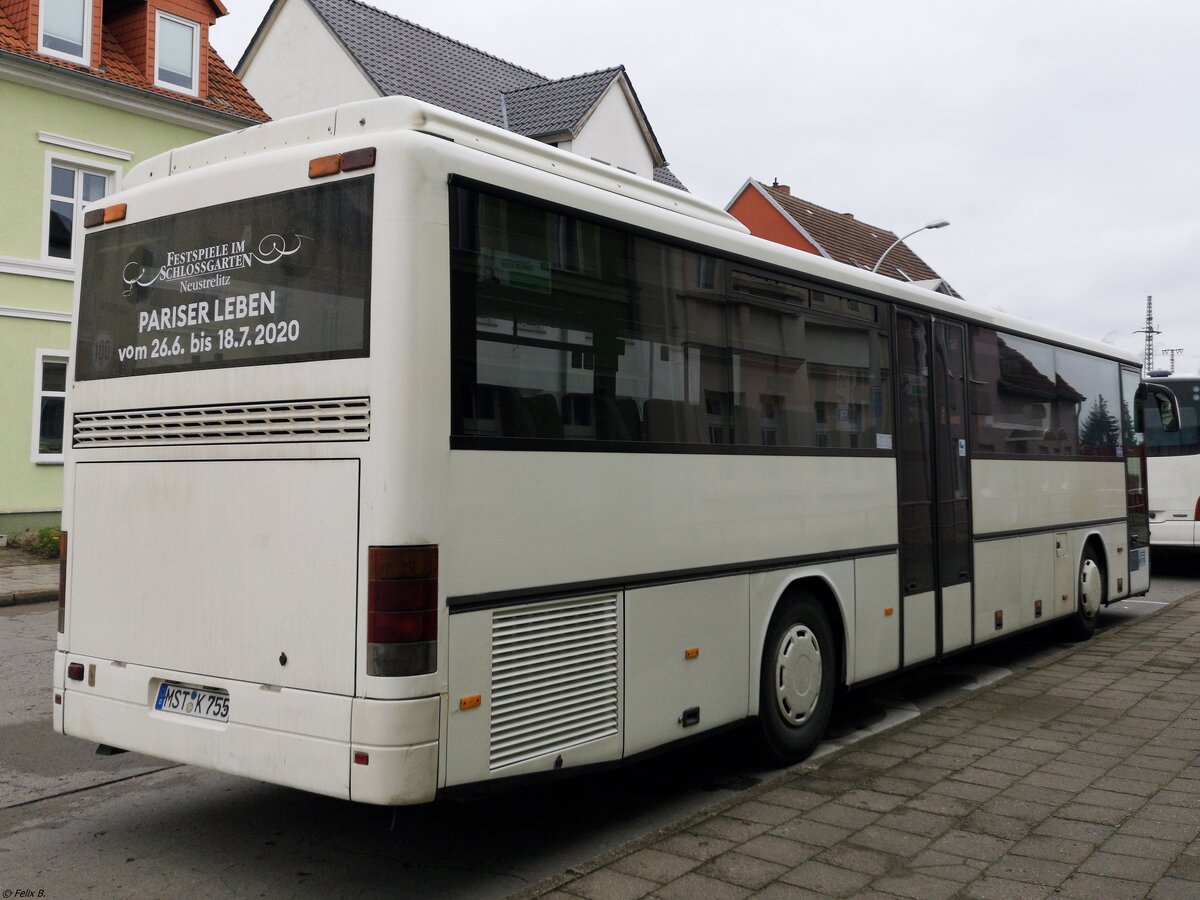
x,y
1174,466
408,454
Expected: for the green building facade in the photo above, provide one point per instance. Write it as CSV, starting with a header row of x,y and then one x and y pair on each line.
x,y
67,137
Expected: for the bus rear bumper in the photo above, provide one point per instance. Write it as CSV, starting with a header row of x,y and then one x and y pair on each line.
x,y
295,738
394,751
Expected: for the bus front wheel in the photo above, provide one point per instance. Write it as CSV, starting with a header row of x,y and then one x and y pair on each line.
x,y
797,683
1092,591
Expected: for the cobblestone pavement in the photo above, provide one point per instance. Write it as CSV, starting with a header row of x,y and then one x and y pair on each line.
x,y
1079,777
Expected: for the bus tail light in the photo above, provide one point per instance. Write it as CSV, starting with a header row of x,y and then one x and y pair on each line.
x,y
62,581
402,610
1196,517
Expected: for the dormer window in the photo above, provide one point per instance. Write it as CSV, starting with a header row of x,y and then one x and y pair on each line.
x,y
177,54
65,29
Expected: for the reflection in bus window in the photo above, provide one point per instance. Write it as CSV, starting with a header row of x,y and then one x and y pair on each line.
x,y
566,329
1029,398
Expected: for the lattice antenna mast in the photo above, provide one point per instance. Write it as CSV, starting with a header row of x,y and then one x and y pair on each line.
x,y
1171,353
1150,331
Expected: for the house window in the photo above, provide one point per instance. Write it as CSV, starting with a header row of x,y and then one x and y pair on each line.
x,y
65,30
49,398
177,61
70,188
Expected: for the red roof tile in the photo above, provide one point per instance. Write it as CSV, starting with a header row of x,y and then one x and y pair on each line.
x,y
9,36
226,94
848,240
226,91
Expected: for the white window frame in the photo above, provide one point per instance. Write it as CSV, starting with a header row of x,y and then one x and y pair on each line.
x,y
42,357
112,173
86,58
159,16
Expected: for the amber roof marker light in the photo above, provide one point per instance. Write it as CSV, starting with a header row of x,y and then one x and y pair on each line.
x,y
350,161
104,215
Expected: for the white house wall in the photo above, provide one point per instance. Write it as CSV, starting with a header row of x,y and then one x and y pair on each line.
x,y
612,135
299,66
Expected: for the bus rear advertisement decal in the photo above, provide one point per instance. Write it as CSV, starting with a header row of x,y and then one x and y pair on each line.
x,y
282,278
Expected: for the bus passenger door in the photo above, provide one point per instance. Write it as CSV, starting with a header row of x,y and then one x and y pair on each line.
x,y
953,480
1136,502
934,487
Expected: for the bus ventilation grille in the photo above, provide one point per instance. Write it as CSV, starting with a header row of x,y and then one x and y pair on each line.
x,y
555,678
311,420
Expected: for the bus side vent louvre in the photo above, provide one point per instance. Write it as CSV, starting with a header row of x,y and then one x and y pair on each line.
x,y
555,678
347,419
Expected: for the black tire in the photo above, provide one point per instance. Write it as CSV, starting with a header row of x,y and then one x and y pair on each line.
x,y
798,678
1090,593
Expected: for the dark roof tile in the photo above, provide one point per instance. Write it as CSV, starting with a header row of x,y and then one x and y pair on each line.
x,y
402,58
554,107
397,54
664,175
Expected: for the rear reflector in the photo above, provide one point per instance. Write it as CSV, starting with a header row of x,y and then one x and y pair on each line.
x,y
362,759
402,610
62,581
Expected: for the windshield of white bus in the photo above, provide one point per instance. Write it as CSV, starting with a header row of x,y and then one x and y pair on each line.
x,y
1186,440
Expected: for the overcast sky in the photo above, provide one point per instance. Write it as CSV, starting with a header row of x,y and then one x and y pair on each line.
x,y
1060,139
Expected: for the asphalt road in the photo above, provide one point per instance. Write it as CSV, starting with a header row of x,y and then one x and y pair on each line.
x,y
74,824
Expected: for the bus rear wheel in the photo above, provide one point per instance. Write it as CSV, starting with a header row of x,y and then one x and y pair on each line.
x,y
1091,593
797,683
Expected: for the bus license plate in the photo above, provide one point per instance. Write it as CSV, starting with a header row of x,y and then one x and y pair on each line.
x,y
201,703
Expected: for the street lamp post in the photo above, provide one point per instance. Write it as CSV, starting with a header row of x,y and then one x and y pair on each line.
x,y
940,223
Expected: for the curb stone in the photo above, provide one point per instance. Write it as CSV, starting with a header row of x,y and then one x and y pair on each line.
x,y
20,598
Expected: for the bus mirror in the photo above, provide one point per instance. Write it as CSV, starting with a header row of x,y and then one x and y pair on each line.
x,y
1162,405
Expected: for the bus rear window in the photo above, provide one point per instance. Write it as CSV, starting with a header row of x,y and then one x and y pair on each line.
x,y
273,279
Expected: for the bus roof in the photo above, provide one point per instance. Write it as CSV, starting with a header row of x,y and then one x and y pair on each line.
x,y
389,114
406,114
